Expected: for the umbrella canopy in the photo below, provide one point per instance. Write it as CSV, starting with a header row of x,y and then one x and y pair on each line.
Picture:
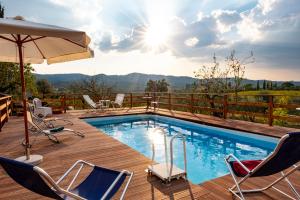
x,y
29,42
41,42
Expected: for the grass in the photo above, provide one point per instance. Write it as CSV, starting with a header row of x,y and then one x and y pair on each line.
x,y
272,92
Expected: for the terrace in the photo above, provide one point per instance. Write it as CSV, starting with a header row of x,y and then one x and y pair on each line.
x,y
103,150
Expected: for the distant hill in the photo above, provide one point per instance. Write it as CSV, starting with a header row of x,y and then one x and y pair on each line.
x,y
130,82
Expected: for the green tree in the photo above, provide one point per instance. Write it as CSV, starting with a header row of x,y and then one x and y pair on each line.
x,y
257,85
212,81
287,85
10,82
264,85
151,86
93,86
275,85
1,11
248,86
157,86
44,87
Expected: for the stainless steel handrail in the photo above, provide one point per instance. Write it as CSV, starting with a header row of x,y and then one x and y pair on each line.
x,y
178,135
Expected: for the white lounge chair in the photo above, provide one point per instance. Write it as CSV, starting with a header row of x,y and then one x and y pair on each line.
x,y
92,104
118,101
49,132
155,103
49,122
39,110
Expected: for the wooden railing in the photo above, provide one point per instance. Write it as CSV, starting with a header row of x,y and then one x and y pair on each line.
x,y
5,109
280,109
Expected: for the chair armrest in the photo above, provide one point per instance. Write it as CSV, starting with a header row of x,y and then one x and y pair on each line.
x,y
236,159
71,168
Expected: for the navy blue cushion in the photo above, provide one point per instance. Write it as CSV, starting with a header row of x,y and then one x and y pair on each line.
x,y
288,155
25,175
98,182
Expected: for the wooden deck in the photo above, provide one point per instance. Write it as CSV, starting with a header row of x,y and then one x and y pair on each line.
x,y
103,150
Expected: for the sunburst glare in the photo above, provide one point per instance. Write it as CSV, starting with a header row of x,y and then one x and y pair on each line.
x,y
156,35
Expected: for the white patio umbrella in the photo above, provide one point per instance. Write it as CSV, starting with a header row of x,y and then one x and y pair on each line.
x,y
29,42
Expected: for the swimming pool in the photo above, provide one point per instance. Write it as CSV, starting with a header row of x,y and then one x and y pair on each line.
x,y
206,146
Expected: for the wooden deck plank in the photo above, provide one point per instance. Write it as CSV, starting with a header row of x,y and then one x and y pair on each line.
x,y
103,150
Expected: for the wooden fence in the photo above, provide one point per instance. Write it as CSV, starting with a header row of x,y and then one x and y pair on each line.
x,y
5,109
256,108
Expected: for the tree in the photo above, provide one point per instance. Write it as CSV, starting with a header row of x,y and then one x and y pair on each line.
x,y
237,69
248,86
1,11
157,86
287,85
275,85
10,82
212,81
264,85
92,86
151,86
257,85
44,87
162,85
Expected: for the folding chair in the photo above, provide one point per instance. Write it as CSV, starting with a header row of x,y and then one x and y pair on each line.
x,y
101,183
49,132
285,155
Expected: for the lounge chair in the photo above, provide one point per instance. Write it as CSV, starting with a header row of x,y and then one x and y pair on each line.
x,y
39,110
49,122
286,155
92,104
101,183
118,101
155,103
49,132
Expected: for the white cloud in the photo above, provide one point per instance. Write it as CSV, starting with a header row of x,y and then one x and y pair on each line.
x,y
191,41
266,5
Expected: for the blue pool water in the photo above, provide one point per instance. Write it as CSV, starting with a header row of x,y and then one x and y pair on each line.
x,y
206,145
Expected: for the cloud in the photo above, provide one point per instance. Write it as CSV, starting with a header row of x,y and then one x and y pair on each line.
x,y
198,29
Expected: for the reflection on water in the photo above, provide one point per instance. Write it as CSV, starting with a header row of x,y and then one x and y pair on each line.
x,y
205,149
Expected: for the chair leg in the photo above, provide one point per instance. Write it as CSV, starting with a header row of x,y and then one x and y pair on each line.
x,y
284,176
53,138
237,184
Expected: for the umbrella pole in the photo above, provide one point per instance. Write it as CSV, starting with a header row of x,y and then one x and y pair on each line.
x,y
27,145
31,159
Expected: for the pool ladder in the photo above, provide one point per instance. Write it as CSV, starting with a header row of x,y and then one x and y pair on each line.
x,y
168,171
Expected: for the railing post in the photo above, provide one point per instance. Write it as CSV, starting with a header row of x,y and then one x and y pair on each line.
x,y
192,103
7,110
271,105
0,118
169,101
225,106
131,100
63,103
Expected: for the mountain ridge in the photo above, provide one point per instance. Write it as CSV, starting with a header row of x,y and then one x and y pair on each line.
x,y
131,82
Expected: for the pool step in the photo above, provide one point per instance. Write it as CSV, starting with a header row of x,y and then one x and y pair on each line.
x,y
162,171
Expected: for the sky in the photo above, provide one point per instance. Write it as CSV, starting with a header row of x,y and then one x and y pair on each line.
x,y
174,37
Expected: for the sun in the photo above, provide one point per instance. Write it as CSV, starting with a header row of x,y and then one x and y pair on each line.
x,y
156,35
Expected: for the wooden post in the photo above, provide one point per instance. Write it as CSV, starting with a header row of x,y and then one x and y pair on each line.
x,y
7,110
169,101
225,106
0,118
192,103
271,105
63,103
131,100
